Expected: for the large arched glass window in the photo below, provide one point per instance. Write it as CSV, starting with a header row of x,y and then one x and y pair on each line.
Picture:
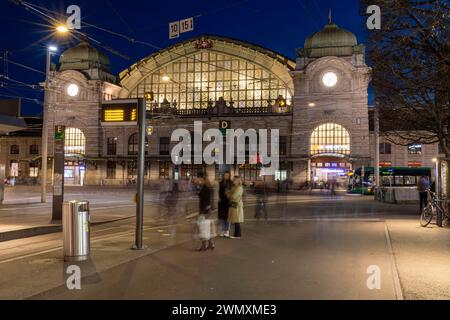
x,y
133,145
330,138
75,141
200,79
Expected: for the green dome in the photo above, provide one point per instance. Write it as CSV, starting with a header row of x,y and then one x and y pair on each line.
x,y
330,41
83,57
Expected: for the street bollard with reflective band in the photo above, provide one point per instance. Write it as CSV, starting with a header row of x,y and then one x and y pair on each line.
x,y
76,227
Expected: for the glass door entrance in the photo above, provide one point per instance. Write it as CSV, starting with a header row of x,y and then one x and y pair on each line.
x,y
74,173
325,172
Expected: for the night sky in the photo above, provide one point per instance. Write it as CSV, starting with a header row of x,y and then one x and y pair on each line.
x,y
280,25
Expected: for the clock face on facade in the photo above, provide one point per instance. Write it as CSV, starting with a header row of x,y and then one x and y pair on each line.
x,y
329,79
73,90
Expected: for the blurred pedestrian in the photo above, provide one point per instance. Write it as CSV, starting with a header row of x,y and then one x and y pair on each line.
x,y
224,204
172,206
422,186
236,211
261,208
205,224
333,184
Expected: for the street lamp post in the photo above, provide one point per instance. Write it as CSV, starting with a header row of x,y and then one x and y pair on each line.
x,y
141,110
377,149
44,146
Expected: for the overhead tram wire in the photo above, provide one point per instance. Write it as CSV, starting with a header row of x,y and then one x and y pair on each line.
x,y
24,66
36,70
136,41
121,18
35,9
32,86
200,15
308,14
319,8
148,44
20,97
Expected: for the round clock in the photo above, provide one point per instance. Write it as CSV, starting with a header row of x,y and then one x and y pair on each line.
x,y
329,79
73,90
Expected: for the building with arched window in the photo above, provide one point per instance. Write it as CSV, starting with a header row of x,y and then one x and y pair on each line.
x,y
318,102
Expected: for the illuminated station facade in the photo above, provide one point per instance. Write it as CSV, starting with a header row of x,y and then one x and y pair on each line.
x,y
319,103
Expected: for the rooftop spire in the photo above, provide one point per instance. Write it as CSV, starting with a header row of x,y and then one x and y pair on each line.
x,y
330,20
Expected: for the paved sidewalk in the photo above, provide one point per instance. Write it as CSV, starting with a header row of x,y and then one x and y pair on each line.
x,y
27,275
274,260
423,258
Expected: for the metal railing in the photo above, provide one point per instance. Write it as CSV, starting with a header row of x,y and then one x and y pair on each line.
x,y
215,112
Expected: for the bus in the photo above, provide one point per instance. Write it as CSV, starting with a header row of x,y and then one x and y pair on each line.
x,y
362,182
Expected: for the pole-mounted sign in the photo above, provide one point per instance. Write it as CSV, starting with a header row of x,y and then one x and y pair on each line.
x,y
224,125
132,113
58,173
178,27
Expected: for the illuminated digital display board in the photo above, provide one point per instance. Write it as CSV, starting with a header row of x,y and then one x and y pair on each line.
x,y
119,111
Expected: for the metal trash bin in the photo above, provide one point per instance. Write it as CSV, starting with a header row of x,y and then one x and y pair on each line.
x,y
76,237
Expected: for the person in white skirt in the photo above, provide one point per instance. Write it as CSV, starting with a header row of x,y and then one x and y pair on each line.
x,y
205,224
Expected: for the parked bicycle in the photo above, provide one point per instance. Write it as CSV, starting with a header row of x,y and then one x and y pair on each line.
x,y
432,210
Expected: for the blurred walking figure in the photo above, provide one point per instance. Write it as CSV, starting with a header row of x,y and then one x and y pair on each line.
x,y
261,206
205,224
333,184
224,204
172,206
236,211
422,186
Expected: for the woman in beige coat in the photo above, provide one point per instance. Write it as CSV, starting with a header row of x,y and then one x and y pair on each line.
x,y
236,210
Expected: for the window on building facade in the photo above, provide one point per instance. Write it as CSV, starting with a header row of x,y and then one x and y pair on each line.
x,y
164,146
330,138
111,147
415,148
385,148
34,172
34,169
14,149
111,170
283,173
164,169
14,168
205,76
132,168
250,172
34,149
133,145
187,171
75,141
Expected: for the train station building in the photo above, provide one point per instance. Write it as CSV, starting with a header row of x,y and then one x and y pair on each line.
x,y
319,103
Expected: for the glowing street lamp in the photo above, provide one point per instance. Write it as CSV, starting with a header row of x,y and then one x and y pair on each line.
x,y
52,48
62,29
